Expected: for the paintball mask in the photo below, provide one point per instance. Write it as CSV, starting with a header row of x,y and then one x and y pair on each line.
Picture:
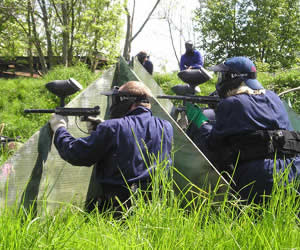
x,y
233,72
120,102
189,48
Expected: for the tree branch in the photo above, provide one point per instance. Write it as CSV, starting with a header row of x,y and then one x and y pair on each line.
x,y
146,20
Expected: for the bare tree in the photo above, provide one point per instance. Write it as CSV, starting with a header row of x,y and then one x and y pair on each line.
x,y
37,41
45,18
130,18
174,12
65,13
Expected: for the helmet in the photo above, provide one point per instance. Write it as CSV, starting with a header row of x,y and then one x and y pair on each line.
x,y
233,72
189,46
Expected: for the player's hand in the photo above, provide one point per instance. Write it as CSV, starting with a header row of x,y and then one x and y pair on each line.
x,y
57,121
92,123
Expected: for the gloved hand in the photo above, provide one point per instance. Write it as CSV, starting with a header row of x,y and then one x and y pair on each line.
x,y
195,115
92,122
57,121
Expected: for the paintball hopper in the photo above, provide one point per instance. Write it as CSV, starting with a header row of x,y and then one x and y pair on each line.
x,y
185,89
63,88
194,77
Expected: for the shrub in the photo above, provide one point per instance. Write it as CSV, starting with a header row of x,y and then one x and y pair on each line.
x,y
27,93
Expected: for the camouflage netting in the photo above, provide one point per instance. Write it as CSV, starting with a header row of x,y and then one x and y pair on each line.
x,y
36,174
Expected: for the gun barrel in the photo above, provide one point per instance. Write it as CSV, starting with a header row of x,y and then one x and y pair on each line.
x,y
78,111
68,111
28,111
193,99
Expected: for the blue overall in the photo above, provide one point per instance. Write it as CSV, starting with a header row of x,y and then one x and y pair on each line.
x,y
113,147
241,114
148,65
194,61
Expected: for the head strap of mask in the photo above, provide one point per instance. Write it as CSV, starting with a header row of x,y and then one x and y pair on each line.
x,y
122,102
120,96
234,75
230,80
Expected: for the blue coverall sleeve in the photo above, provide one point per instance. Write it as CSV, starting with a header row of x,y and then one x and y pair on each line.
x,y
148,65
213,134
182,62
198,60
84,151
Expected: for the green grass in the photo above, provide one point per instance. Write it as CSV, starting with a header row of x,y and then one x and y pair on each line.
x,y
27,93
161,223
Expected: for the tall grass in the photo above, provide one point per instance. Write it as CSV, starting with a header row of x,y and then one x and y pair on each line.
x,y
160,223
28,93
157,223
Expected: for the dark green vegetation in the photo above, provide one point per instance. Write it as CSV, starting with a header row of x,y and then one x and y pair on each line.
x,y
161,223
265,30
278,82
89,29
28,93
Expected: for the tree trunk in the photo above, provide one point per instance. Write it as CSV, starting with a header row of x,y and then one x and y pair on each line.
x,y
37,41
70,51
127,47
29,35
65,33
129,36
45,19
172,41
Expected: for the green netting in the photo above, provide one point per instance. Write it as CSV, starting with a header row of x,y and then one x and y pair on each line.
x,y
36,174
188,159
293,116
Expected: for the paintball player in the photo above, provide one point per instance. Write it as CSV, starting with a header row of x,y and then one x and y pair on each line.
x,y
192,58
114,145
145,61
251,128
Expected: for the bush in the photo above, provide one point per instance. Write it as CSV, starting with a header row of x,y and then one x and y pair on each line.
x,y
286,80
278,82
27,93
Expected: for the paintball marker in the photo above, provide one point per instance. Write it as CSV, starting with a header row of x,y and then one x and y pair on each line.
x,y
62,89
210,100
186,93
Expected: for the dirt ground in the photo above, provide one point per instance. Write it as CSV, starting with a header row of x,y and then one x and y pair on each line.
x,y
17,74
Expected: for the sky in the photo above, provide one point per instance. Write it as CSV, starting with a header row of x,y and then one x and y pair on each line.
x,y
155,38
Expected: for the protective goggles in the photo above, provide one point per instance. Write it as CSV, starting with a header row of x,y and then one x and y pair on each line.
x,y
117,96
226,76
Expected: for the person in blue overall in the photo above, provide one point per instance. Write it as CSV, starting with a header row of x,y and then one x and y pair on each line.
x,y
120,147
144,59
251,127
192,58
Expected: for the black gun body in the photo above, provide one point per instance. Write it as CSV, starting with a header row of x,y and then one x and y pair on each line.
x,y
192,99
85,112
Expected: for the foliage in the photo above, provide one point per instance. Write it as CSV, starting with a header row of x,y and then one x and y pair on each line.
x,y
266,31
278,82
284,80
27,93
161,222
167,80
65,28
100,29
